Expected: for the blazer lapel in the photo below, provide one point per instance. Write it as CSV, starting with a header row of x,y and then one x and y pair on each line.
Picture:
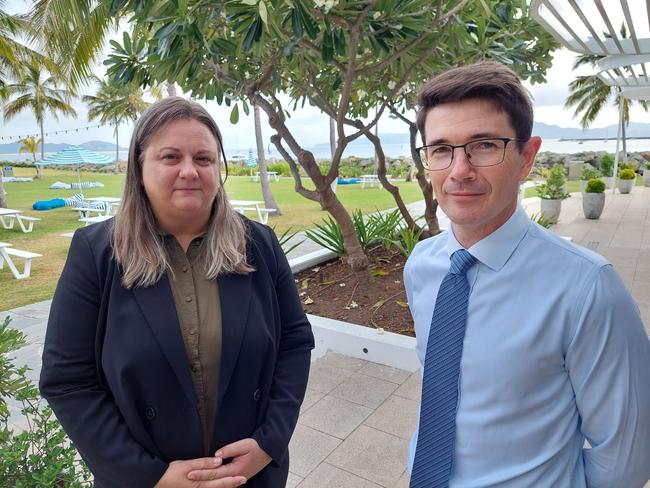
x,y
235,295
157,305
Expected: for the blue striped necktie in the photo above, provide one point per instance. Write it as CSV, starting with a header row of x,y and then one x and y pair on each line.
x,y
437,430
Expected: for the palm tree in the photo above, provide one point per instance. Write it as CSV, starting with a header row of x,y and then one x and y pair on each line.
x,y
40,92
115,103
30,145
589,94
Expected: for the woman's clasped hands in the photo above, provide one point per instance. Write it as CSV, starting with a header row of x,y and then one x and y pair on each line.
x,y
247,459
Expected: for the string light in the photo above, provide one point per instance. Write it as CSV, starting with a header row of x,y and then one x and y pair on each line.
x,y
53,133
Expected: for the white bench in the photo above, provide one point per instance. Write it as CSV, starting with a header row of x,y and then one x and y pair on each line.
x,y
30,222
26,256
94,220
272,174
85,212
262,213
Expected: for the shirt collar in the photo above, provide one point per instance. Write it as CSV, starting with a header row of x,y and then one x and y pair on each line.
x,y
495,249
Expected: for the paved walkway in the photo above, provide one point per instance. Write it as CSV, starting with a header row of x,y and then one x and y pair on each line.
x,y
357,416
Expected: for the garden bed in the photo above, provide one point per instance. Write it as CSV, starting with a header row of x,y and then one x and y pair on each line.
x,y
374,297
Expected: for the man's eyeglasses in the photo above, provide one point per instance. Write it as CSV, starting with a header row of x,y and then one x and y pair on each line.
x,y
480,152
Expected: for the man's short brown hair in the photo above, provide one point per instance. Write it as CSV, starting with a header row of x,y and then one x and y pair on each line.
x,y
485,80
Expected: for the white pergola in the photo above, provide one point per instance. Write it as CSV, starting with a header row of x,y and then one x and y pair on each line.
x,y
620,33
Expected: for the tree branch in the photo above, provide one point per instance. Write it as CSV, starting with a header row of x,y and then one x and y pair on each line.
x,y
309,194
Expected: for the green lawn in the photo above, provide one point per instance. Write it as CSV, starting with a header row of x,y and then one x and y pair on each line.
x,y
46,238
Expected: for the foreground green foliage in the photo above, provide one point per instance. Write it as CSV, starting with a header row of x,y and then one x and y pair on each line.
x,y
40,456
553,187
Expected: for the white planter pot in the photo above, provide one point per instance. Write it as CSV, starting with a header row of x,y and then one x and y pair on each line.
x,y
625,186
550,209
609,181
593,204
646,176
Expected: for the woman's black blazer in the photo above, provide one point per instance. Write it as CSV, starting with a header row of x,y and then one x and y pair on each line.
x,y
116,374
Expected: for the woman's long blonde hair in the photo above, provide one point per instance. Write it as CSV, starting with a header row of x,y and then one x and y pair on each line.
x,y
137,240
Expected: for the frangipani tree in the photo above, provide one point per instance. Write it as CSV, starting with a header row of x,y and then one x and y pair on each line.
x,y
334,55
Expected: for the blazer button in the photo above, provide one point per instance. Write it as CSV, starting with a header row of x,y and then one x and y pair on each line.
x,y
257,394
150,413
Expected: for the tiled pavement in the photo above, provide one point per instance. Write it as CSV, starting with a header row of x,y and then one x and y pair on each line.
x,y
357,416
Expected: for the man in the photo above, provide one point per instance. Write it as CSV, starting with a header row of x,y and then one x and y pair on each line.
x,y
529,345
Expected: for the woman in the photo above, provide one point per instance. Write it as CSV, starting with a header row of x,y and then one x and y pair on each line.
x,y
177,350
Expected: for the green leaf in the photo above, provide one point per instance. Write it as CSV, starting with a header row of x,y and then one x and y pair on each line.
x,y
305,283
234,114
402,304
379,272
264,14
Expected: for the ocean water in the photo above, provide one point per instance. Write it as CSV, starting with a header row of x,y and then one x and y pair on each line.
x,y
363,150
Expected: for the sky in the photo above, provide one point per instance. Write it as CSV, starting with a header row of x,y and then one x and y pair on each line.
x,y
308,125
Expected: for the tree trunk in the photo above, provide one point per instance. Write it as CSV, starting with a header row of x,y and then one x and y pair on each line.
x,y
3,195
430,203
116,170
328,199
39,169
269,200
624,159
333,148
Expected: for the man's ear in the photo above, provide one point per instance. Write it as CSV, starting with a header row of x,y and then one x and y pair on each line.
x,y
528,153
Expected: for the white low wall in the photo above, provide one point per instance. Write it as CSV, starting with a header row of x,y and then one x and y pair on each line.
x,y
395,350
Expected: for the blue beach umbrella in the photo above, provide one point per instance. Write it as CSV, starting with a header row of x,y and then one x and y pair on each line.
x,y
75,156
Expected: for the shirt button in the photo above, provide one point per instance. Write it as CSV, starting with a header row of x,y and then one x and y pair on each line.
x,y
257,394
195,368
192,331
150,413
184,269
188,299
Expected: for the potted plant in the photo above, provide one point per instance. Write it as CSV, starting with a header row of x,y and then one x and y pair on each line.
x,y
593,199
588,173
552,192
607,169
627,179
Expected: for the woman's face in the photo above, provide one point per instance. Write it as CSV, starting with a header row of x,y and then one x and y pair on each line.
x,y
180,173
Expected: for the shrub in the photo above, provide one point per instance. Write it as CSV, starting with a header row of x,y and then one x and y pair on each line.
x,y
282,168
595,185
41,456
407,238
388,225
627,174
329,235
607,165
589,172
237,170
285,237
553,188
633,165
366,229
348,171
541,219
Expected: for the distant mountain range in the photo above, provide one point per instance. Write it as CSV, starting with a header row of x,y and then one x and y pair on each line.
x,y
13,147
545,131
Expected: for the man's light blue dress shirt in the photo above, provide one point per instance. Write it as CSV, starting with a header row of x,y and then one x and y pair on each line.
x,y
555,353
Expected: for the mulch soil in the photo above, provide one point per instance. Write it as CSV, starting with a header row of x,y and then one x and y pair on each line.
x,y
374,297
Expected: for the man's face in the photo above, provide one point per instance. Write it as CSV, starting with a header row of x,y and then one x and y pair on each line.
x,y
477,200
